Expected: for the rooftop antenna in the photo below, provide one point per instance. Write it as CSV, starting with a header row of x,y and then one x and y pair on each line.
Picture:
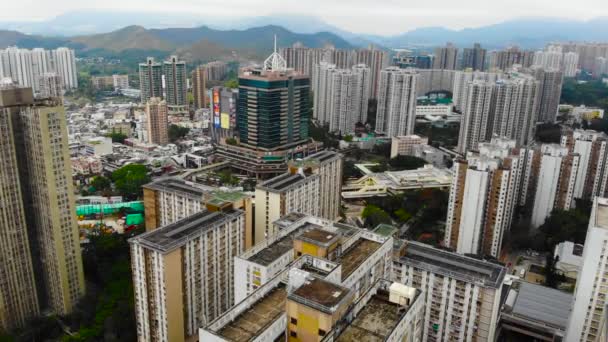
x,y
275,62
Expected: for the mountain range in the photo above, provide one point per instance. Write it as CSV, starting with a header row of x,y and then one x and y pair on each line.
x,y
194,44
525,32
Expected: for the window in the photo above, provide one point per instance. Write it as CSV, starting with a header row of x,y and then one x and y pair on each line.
x,y
322,332
293,334
294,321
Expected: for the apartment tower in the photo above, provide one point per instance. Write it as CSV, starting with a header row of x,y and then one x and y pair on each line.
x,y
150,80
396,113
157,121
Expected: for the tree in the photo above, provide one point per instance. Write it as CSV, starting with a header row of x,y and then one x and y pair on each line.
x,y
382,150
565,225
549,133
177,132
232,83
406,163
101,183
231,141
349,171
117,137
348,138
129,179
374,216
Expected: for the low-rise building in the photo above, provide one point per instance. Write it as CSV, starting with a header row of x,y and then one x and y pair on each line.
x,y
404,144
569,258
98,146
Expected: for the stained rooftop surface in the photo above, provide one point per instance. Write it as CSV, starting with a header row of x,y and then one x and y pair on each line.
x,y
544,304
322,294
319,237
257,318
601,213
356,254
273,251
453,265
282,182
375,322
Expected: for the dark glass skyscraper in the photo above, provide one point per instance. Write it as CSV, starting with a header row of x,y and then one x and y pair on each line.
x,y
273,109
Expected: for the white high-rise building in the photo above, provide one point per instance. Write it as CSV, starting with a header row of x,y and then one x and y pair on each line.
x,y
555,180
570,64
461,83
588,307
548,59
342,95
505,108
396,114
25,66
482,198
65,65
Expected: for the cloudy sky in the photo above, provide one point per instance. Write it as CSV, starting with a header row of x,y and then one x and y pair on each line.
x,y
361,16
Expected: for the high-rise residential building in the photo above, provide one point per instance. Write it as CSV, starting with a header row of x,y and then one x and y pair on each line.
x,y
303,59
587,52
183,273
570,64
199,87
216,70
172,199
462,294
555,176
39,133
176,87
262,124
312,186
150,80
474,125
396,114
506,108
18,296
157,121
445,57
376,60
49,85
600,67
65,65
474,58
548,59
589,305
550,82
342,96
482,198
505,59
461,85
25,66
592,149
408,60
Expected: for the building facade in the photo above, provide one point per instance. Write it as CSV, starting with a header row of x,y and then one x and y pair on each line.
x,y
474,58
150,79
157,121
176,86
445,57
182,274
396,113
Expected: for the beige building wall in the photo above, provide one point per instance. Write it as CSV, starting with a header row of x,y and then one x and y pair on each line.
x,y
173,288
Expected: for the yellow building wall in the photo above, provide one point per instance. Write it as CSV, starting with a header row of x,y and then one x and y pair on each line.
x,y
174,296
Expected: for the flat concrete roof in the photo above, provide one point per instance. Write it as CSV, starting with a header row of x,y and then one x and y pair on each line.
x,y
543,304
257,318
374,322
356,254
319,237
273,251
180,186
601,213
175,235
319,294
282,182
453,265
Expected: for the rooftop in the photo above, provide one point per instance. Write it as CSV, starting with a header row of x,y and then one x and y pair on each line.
x,y
320,294
220,198
180,186
543,304
282,182
174,235
375,321
355,255
257,318
316,158
385,229
601,213
273,251
453,265
318,236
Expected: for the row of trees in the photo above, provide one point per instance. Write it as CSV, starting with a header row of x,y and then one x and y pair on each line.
x,y
126,181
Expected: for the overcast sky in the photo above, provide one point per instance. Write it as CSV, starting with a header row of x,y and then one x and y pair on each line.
x,y
361,16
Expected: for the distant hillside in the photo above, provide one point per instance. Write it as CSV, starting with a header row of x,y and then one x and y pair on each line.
x,y
194,44
527,33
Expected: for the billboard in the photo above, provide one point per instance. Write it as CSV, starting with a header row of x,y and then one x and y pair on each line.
x,y
216,108
225,121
